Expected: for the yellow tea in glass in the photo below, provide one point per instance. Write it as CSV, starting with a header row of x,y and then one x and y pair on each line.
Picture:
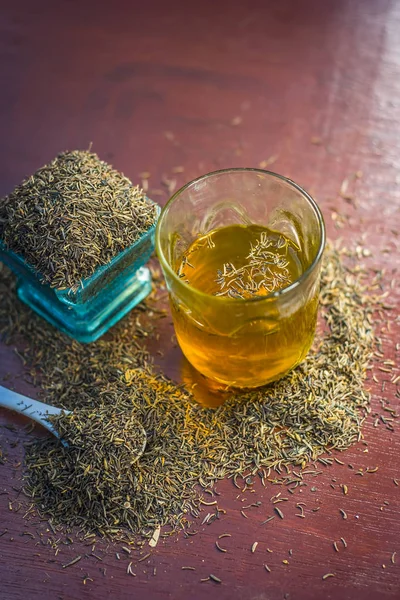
x,y
240,250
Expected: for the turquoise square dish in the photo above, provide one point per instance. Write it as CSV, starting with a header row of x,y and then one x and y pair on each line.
x,y
101,300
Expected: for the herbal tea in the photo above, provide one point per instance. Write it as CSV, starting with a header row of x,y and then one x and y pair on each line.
x,y
248,263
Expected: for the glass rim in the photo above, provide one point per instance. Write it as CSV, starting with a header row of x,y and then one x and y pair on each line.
x,y
272,295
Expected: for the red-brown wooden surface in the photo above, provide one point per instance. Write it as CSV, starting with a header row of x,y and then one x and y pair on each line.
x,y
156,85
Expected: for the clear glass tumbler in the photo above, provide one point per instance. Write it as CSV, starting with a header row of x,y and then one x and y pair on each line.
x,y
235,341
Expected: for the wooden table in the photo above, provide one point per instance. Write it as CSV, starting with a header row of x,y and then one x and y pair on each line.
x,y
311,88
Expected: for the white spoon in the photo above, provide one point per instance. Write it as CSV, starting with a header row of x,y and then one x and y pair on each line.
x,y
38,411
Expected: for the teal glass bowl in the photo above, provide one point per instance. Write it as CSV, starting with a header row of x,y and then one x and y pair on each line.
x,y
101,300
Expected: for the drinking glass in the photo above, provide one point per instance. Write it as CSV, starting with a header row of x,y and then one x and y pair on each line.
x,y
243,342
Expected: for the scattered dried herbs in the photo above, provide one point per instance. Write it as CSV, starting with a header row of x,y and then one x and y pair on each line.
x,y
319,406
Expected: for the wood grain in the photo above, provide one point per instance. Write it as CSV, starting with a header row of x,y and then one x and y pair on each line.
x,y
155,86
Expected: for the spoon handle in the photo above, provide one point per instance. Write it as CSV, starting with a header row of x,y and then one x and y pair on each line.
x,y
38,411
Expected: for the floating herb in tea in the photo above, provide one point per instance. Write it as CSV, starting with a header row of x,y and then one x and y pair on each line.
x,y
72,216
264,262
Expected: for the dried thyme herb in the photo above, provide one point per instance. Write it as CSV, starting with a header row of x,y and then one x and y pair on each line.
x,y
266,269
104,444
319,406
72,216
72,562
109,429
220,547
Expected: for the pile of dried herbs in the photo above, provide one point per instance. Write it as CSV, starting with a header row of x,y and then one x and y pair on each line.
x,y
72,216
318,407
100,448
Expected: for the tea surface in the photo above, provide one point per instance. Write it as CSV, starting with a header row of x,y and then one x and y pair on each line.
x,y
246,347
